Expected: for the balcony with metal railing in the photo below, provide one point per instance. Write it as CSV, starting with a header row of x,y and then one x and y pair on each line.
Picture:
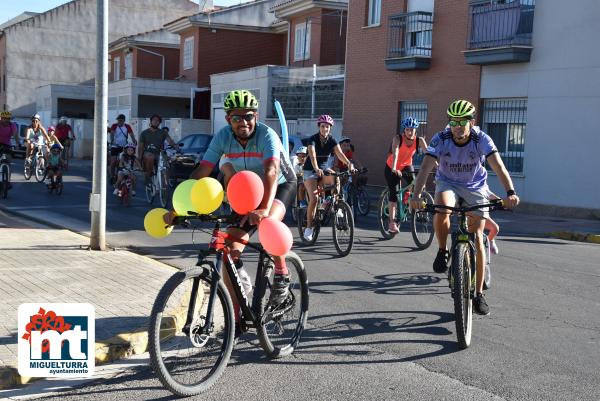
x,y
409,41
499,31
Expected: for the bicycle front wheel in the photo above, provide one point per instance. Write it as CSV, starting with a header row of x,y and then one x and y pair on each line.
x,y
150,190
462,265
4,179
163,188
281,327
188,359
27,170
40,169
343,228
422,224
383,215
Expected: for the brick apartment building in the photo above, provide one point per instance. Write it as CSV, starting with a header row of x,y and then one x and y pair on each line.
x,y
512,59
384,85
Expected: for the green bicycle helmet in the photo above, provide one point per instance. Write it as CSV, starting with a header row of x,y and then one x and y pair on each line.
x,y
460,109
240,99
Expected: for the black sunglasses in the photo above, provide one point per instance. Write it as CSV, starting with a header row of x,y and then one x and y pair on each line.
x,y
236,118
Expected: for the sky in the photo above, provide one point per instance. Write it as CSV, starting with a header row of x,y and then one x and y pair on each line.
x,y
11,8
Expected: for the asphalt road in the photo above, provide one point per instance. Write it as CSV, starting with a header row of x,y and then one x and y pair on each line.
x,y
381,322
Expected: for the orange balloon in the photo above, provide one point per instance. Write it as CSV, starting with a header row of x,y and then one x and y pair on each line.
x,y
275,236
245,191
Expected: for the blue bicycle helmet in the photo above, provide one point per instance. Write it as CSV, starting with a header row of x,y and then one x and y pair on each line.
x,y
410,123
56,146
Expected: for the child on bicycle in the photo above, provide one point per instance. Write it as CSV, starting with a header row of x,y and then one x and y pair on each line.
x,y
399,168
298,166
127,163
55,165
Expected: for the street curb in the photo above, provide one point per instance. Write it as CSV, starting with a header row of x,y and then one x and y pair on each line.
x,y
121,346
575,236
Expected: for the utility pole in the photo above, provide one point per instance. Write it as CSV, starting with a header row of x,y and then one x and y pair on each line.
x,y
98,195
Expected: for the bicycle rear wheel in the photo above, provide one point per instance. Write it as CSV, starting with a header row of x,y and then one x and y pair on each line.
x,y
302,225
383,216
280,328
462,265
188,363
422,224
363,203
40,169
343,228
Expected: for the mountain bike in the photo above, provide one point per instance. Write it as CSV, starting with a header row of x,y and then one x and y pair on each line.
x,y
421,221
4,171
159,182
355,195
36,163
462,271
192,325
331,208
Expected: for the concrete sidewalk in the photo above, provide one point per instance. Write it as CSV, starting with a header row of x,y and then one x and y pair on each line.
x,y
40,264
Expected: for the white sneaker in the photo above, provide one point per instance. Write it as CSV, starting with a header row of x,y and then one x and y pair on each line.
x,y
493,247
116,192
308,233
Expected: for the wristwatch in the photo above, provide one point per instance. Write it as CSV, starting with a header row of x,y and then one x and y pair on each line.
x,y
510,192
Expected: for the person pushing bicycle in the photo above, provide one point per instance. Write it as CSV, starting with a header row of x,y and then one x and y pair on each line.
x,y
459,152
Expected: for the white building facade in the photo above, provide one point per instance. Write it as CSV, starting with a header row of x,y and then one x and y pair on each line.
x,y
59,45
544,114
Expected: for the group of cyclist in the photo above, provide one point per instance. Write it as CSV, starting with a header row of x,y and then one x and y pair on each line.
x,y
459,152
124,158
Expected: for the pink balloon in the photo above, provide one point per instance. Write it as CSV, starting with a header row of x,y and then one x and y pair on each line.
x,y
245,191
275,236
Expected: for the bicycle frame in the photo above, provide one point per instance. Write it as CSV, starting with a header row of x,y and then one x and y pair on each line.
x,y
218,246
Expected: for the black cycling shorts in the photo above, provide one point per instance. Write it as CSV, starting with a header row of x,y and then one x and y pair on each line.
x,y
116,150
286,195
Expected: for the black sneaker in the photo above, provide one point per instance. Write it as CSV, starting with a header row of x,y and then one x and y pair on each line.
x,y
280,289
440,264
481,307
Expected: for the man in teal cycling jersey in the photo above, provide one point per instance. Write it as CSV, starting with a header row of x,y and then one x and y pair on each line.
x,y
247,144
459,152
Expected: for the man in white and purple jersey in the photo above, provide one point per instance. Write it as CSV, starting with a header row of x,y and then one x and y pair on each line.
x,y
459,152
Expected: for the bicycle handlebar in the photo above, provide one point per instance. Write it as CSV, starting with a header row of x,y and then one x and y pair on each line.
x,y
495,204
345,173
225,218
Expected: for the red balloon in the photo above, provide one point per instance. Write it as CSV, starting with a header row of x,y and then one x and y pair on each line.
x,y
245,191
275,236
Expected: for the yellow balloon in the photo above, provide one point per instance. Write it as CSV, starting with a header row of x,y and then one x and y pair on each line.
x,y
154,224
182,201
207,195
